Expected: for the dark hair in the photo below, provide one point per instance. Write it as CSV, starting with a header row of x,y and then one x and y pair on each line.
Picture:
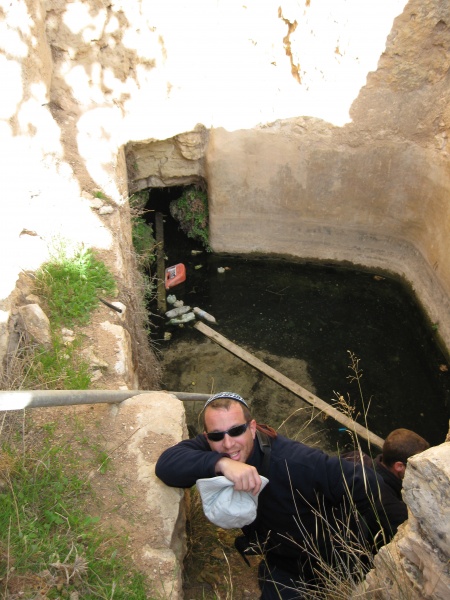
x,y
226,403
400,444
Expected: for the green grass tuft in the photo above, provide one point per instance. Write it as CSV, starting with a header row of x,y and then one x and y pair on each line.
x,y
70,286
61,367
48,541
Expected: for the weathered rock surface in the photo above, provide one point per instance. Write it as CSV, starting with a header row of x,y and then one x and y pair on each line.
x,y
35,324
124,357
415,565
172,162
147,424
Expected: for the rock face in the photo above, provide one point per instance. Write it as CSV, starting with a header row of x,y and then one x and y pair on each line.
x,y
319,129
177,161
36,324
318,192
316,133
415,564
149,423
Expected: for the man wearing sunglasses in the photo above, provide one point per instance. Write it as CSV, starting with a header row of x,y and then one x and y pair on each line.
x,y
301,509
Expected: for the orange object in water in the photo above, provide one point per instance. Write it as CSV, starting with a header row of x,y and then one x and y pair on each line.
x,y
175,275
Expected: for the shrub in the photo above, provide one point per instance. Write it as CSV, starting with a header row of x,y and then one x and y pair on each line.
x,y
70,286
143,237
191,211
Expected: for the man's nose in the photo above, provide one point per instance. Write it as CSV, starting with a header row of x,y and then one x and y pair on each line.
x,y
227,441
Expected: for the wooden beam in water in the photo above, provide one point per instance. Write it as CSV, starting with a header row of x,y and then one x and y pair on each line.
x,y
160,263
290,385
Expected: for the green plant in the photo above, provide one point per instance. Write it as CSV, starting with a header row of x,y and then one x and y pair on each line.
x,y
49,543
144,242
191,211
60,367
138,201
103,459
70,284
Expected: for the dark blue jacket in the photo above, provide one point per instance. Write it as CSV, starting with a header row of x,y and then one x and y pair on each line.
x,y
394,508
305,500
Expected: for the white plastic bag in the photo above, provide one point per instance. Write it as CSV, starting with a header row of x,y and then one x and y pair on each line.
x,y
226,507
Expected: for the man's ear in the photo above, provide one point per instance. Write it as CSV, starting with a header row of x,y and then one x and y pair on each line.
x,y
252,427
398,469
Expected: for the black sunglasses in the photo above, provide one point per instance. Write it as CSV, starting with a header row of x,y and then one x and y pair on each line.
x,y
217,436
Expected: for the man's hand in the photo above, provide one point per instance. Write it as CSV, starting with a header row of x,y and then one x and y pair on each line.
x,y
245,477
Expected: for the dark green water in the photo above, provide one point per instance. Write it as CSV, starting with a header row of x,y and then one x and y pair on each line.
x,y
318,313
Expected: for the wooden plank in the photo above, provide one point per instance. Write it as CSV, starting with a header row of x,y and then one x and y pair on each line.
x,y
160,263
290,385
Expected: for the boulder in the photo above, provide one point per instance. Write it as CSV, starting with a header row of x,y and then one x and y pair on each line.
x,y
35,324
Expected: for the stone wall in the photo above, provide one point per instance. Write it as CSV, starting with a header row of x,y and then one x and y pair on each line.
x,y
153,515
315,192
371,189
415,565
177,161
374,191
321,131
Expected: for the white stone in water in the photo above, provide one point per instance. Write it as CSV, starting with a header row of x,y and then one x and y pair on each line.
x,y
185,318
176,312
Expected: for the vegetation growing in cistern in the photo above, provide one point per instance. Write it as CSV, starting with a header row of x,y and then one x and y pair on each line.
x,y
191,211
144,242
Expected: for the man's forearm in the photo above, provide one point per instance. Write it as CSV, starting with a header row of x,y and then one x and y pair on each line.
x,y
245,477
182,464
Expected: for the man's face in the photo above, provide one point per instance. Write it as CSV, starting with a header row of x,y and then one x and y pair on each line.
x,y
220,419
401,471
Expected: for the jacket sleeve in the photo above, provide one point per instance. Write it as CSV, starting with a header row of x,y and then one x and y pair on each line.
x,y
189,460
343,484
395,512
370,496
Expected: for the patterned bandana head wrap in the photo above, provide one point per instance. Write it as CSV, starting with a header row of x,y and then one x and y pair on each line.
x,y
230,395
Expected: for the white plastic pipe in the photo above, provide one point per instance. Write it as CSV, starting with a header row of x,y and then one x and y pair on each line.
x,y
18,400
